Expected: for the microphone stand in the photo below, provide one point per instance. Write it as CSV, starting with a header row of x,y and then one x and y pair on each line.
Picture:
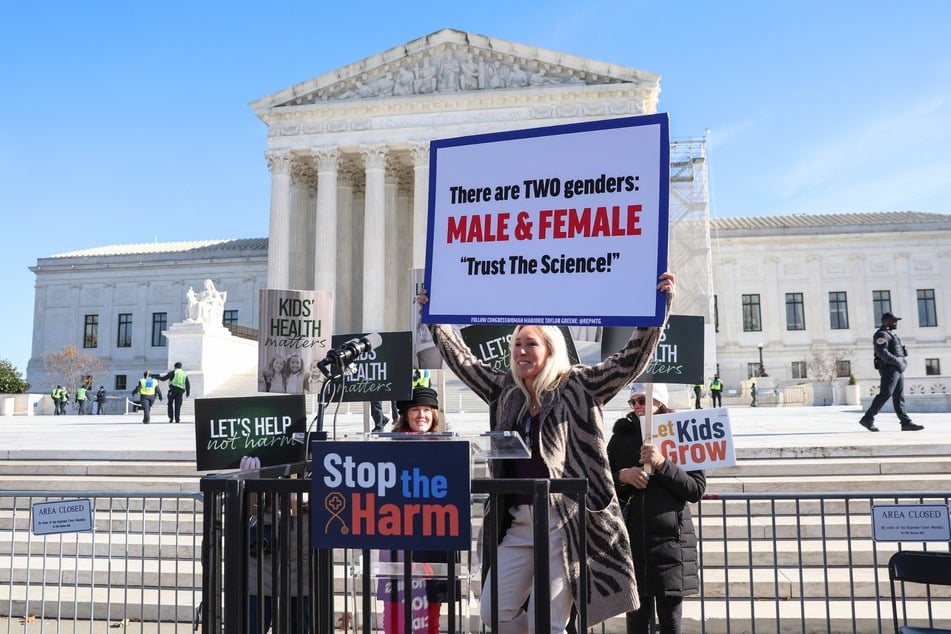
x,y
328,390
334,371
322,573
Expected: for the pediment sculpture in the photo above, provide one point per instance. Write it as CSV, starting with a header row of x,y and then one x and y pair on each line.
x,y
449,62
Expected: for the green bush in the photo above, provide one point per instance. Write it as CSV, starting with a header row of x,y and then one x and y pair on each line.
x,y
11,381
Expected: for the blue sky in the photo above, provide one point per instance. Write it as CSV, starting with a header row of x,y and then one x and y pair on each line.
x,y
127,122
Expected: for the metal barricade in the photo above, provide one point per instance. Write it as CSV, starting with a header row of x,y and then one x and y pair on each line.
x,y
318,593
138,561
258,567
770,563
796,563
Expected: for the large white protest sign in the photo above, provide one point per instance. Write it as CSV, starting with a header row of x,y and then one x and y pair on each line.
x,y
563,225
696,439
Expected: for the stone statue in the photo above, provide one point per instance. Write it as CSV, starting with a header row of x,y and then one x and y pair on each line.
x,y
470,74
404,82
191,312
448,79
207,307
425,77
517,77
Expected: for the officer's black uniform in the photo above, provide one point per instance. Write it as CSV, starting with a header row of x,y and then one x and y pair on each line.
x,y
890,361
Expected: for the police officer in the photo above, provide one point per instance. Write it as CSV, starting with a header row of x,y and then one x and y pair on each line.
x,y
147,389
101,400
81,399
890,362
178,388
716,391
57,396
63,401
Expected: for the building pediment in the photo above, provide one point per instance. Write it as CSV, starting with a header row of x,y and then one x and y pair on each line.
x,y
451,61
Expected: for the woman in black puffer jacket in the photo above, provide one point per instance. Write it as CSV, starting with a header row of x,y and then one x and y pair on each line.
x,y
658,519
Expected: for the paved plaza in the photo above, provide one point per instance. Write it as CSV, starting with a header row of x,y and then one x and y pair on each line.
x,y
759,432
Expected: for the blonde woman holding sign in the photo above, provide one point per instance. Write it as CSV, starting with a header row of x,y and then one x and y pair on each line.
x,y
654,493
557,408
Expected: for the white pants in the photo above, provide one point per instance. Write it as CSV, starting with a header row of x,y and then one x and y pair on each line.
x,y
516,567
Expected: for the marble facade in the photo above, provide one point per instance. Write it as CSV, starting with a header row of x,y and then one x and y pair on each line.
x,y
348,153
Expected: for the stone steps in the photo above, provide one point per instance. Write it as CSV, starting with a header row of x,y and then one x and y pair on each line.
x,y
820,550
766,476
149,469
84,603
104,484
84,571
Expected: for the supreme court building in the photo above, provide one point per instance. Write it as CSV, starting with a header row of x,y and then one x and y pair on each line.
x,y
348,154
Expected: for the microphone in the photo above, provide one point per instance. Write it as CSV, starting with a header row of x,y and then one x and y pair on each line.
x,y
344,354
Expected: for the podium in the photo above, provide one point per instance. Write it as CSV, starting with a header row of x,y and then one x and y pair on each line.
x,y
383,582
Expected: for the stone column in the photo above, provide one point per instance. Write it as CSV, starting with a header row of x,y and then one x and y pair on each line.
x,y
374,237
391,257
325,229
730,323
141,345
816,301
905,302
772,329
303,180
420,152
279,163
399,315
344,320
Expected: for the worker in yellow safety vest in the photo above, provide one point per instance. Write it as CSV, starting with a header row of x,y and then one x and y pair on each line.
x,y
81,400
178,388
147,389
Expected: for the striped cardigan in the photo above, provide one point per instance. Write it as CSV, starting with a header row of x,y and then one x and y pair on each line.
x,y
572,445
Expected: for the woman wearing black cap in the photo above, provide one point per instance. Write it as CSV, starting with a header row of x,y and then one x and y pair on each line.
x,y
419,415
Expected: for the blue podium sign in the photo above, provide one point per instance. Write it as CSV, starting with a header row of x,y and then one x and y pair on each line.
x,y
409,494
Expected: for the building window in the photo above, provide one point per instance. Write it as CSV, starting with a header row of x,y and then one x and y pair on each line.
x,y
881,304
799,370
751,314
159,323
843,368
91,332
230,317
120,383
795,312
927,315
752,370
838,310
932,367
124,333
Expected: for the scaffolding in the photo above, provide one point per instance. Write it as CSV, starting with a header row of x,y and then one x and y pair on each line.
x,y
690,255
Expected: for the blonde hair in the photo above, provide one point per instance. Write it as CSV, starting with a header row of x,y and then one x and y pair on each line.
x,y
555,366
